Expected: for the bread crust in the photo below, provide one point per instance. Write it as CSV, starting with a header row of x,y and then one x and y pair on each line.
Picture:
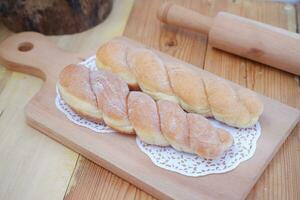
x,y
163,123
151,74
112,56
174,125
236,108
86,116
143,115
74,87
188,86
111,94
176,82
78,84
206,140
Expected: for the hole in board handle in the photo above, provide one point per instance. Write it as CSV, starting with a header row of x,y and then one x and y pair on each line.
x,y
25,46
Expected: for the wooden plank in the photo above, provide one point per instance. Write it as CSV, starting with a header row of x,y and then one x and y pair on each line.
x,y
279,85
269,186
94,182
26,155
34,165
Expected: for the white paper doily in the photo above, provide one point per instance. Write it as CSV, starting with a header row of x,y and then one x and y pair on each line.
x,y
193,165
168,158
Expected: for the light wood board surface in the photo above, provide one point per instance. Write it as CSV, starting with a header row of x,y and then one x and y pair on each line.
x,y
280,180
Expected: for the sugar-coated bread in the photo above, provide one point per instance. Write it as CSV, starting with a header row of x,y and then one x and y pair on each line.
x,y
102,94
151,74
191,132
174,125
112,56
189,87
144,118
111,93
75,89
254,107
164,80
237,108
205,140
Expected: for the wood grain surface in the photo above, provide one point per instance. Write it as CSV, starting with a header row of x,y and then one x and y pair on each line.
x,y
280,180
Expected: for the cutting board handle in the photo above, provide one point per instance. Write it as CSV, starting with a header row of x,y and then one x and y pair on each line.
x,y
33,53
173,14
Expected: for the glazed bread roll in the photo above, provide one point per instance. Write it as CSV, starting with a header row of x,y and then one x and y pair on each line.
x,y
181,84
102,95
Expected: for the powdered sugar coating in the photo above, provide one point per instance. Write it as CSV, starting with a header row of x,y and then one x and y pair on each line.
x,y
192,165
149,70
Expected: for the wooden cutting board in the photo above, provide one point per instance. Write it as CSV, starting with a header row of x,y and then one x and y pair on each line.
x,y
32,53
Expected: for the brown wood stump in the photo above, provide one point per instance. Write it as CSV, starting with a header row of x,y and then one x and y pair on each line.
x,y
53,17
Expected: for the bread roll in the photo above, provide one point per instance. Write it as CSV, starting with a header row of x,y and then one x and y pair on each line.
x,y
111,93
112,56
151,74
239,108
206,140
144,118
189,87
182,84
163,123
174,125
77,92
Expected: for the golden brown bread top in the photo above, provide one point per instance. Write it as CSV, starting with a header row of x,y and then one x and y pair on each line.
x,y
112,56
189,87
205,139
194,92
78,84
234,107
174,124
149,70
111,93
117,59
159,123
143,115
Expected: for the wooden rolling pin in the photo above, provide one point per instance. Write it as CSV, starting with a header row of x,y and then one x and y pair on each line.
x,y
241,36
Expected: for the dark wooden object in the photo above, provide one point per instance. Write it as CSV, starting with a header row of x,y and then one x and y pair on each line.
x,y
53,17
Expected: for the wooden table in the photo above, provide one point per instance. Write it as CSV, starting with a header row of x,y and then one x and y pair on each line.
x,y
32,166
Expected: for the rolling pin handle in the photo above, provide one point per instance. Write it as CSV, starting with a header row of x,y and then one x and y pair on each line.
x,y
173,14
